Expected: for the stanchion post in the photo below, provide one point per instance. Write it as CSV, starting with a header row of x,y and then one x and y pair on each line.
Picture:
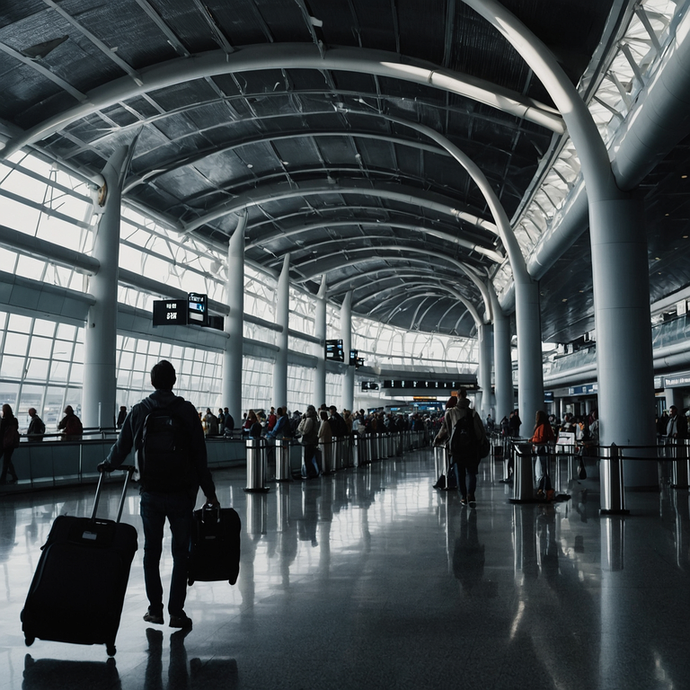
x,y
256,466
282,449
681,473
611,482
523,473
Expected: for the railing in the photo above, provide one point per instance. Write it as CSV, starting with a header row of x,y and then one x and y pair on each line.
x,y
54,462
612,459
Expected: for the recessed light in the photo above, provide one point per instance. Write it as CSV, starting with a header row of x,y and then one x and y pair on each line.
x,y
564,300
667,214
683,177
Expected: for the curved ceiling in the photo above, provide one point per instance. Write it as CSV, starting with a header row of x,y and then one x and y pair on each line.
x,y
293,111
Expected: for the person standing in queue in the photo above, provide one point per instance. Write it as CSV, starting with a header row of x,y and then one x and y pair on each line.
x,y
542,436
9,440
36,429
170,474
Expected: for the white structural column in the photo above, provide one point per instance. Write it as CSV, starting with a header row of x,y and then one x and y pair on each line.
x,y
503,366
484,370
100,335
280,367
320,347
234,323
348,399
619,261
527,310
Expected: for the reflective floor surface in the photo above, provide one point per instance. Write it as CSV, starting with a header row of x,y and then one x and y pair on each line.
x,y
370,578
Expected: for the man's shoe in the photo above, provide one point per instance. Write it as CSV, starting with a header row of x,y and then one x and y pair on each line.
x,y
471,500
183,621
155,618
463,500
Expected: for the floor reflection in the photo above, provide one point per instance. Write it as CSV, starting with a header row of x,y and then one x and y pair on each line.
x,y
371,578
199,673
54,674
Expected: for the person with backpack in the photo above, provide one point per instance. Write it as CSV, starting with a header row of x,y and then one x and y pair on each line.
x,y
36,429
71,426
466,447
9,438
170,451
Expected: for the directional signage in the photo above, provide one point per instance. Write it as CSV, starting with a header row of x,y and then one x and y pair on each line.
x,y
198,309
170,312
334,350
183,312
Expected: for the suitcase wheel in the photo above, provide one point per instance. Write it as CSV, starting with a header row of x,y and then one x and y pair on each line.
x,y
110,649
29,640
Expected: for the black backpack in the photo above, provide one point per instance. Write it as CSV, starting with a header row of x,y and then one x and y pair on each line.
x,y
165,458
463,440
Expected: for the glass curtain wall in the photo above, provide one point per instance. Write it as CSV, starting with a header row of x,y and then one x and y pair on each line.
x,y
42,352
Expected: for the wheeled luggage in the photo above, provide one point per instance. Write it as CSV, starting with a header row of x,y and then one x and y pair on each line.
x,y
215,547
78,589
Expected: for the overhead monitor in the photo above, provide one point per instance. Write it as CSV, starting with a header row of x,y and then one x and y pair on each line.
x,y
198,309
170,312
334,350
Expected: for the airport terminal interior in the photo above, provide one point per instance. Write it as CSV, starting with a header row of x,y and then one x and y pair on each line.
x,y
369,204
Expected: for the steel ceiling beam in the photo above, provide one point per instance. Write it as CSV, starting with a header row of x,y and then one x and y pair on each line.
x,y
399,255
262,138
440,234
279,192
290,56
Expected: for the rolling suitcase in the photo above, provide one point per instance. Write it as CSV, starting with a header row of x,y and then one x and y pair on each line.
x,y
215,546
78,589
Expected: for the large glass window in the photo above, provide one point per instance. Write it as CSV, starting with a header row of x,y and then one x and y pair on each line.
x,y
42,359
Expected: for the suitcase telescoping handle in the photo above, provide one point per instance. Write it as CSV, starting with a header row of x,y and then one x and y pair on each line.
x,y
129,471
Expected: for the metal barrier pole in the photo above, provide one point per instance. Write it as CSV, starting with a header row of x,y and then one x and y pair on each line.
x,y
349,450
256,465
283,473
523,473
611,482
357,448
440,461
681,472
327,457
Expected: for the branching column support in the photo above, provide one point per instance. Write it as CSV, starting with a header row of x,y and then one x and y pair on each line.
x,y
320,347
619,260
346,334
100,336
280,367
234,323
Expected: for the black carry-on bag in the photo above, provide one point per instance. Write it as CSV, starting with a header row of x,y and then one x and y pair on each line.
x,y
215,546
78,589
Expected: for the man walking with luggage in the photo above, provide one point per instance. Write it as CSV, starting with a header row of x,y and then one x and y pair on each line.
x,y
170,450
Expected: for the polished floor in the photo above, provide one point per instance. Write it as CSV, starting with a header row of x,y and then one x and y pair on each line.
x,y
369,578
